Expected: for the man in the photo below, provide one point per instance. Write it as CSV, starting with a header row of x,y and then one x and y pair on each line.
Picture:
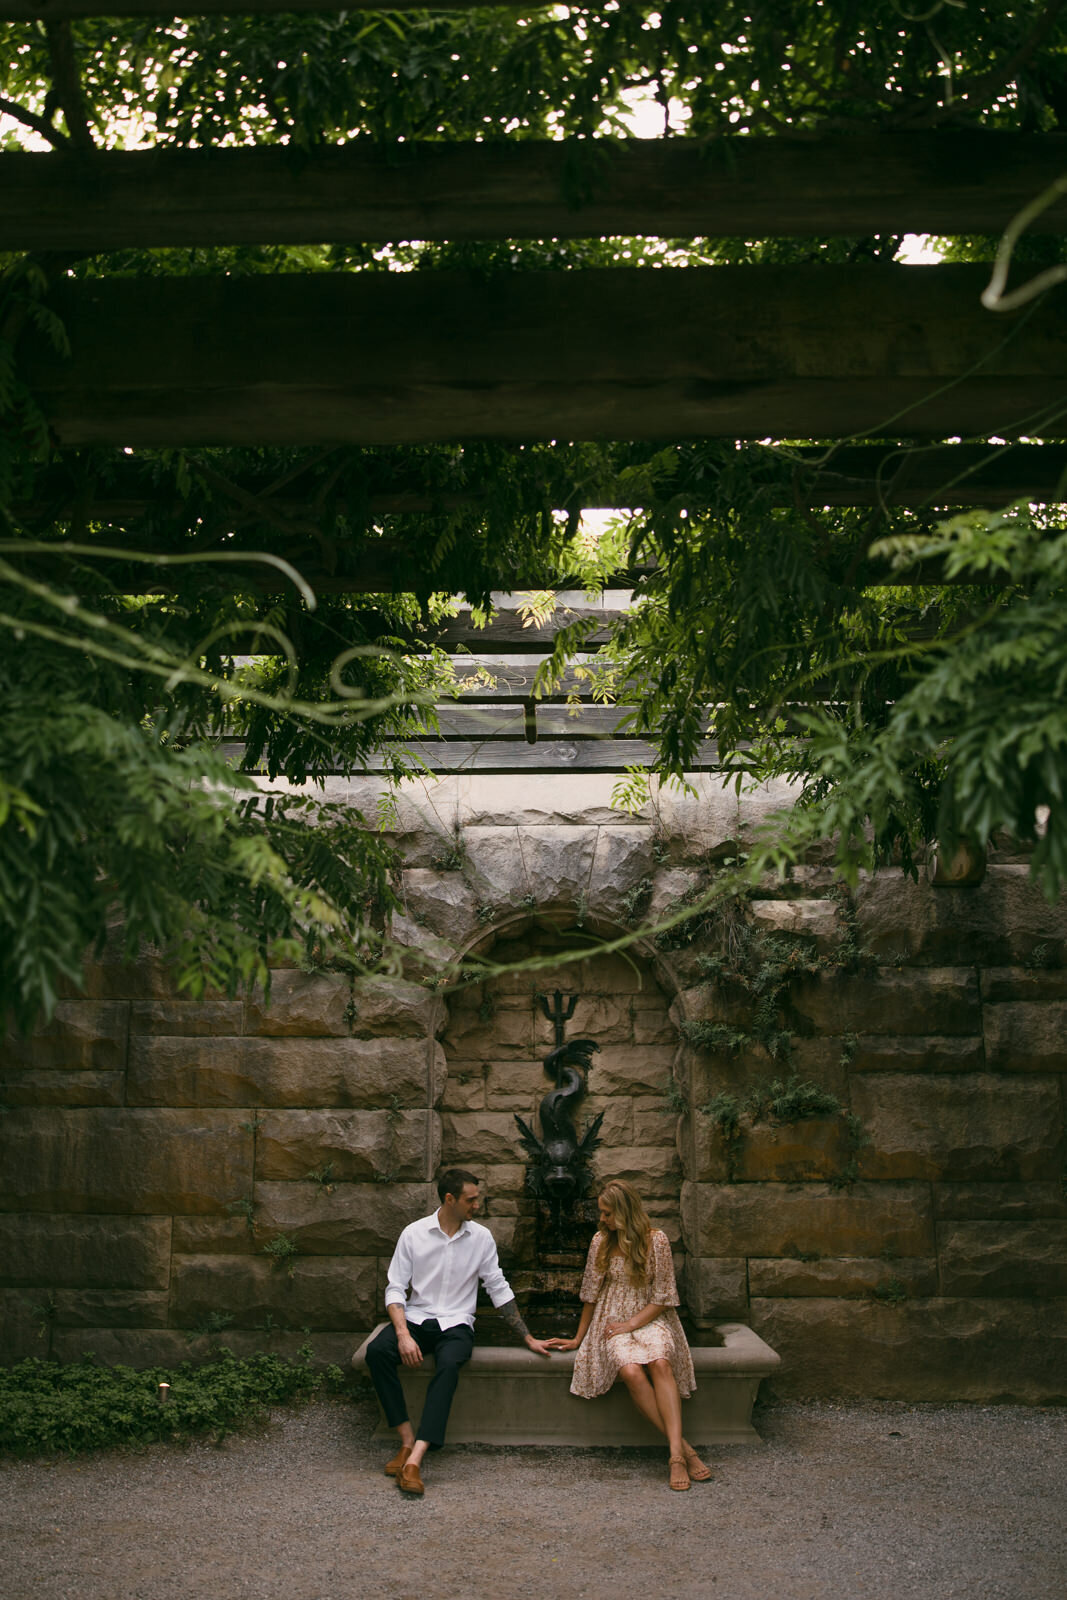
x,y
439,1259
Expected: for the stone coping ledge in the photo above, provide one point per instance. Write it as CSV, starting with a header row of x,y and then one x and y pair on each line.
x,y
512,1396
741,1350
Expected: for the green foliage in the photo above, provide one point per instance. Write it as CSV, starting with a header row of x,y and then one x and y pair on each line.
x,y
891,1293
324,1176
24,438
45,1407
856,1138
681,934
282,1251
213,1323
631,793
127,822
715,1037
452,857
790,1100
784,1101
756,965
45,1312
307,79
246,1209
635,901
725,1112
974,740
123,821
1044,957
675,1101
907,713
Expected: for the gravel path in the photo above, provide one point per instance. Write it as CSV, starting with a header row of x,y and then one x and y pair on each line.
x,y
845,1502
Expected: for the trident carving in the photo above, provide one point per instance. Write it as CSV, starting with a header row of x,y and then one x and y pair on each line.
x,y
559,1015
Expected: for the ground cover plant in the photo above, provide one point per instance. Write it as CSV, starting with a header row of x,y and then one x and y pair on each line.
x,y
46,1406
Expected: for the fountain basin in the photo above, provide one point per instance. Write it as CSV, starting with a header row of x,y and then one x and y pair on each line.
x,y
511,1396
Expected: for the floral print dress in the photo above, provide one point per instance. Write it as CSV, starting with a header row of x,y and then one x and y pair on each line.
x,y
598,1359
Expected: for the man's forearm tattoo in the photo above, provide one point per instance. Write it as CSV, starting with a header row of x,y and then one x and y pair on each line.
x,y
509,1311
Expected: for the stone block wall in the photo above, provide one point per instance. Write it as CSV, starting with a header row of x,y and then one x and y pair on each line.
x,y
154,1149
172,1172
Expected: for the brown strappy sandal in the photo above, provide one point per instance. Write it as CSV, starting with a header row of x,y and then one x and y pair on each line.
x,y
698,1470
679,1471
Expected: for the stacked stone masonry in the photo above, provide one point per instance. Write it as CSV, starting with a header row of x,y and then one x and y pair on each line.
x,y
174,1172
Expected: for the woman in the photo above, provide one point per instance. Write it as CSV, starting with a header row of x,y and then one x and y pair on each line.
x,y
629,1328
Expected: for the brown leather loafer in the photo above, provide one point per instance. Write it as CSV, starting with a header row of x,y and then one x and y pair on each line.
x,y
410,1480
392,1468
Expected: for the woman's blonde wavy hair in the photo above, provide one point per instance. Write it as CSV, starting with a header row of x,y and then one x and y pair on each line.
x,y
633,1230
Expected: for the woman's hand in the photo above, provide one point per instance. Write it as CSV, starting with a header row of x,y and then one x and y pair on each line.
x,y
562,1344
613,1329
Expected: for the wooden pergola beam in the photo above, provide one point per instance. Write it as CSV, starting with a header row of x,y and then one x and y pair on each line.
x,y
389,358
951,182
504,634
850,475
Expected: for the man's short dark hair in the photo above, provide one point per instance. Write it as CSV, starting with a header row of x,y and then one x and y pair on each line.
x,y
452,1180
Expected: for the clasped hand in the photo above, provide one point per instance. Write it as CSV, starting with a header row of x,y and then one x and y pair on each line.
x,y
610,1328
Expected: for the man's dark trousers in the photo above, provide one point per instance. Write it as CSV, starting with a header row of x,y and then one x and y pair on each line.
x,y
451,1349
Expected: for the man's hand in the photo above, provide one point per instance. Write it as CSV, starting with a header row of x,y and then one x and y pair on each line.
x,y
540,1347
410,1354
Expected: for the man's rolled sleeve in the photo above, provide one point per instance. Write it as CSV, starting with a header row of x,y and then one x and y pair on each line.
x,y
396,1290
496,1285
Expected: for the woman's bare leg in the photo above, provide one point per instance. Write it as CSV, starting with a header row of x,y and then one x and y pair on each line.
x,y
645,1396
642,1393
669,1403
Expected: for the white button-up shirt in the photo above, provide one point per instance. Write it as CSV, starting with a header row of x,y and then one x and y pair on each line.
x,y
442,1273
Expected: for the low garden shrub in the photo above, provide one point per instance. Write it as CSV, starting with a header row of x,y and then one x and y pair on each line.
x,y
45,1406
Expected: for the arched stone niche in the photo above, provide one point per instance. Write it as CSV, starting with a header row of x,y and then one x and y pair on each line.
x,y
495,1041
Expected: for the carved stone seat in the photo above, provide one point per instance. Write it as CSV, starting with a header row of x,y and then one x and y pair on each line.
x,y
511,1396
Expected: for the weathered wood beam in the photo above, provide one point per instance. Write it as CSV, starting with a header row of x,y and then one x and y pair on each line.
x,y
850,475
551,756
930,475
507,634
514,679
951,182
504,722
387,358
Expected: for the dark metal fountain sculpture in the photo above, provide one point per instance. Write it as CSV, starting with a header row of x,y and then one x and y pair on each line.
x,y
559,1160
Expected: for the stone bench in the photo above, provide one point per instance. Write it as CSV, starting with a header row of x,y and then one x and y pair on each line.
x,y
511,1396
